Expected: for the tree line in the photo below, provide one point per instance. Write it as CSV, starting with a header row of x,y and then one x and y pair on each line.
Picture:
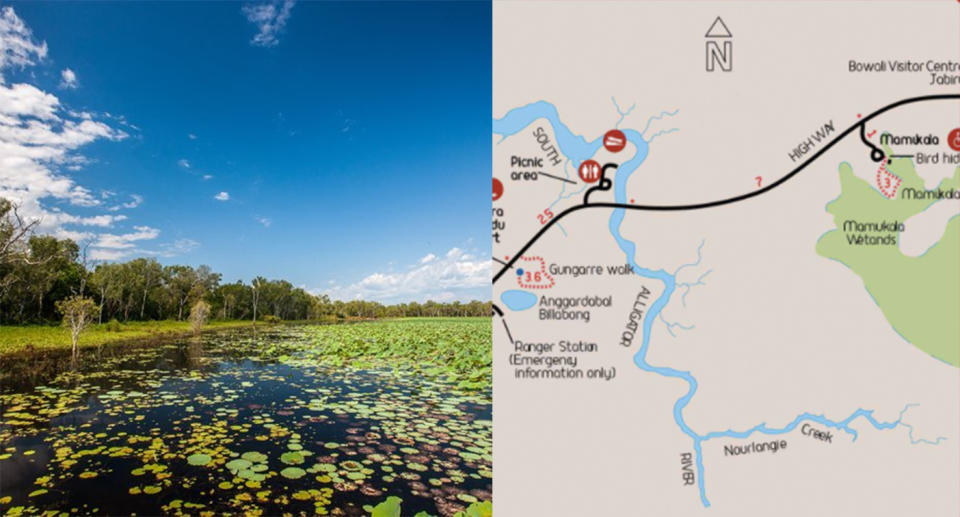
x,y
38,271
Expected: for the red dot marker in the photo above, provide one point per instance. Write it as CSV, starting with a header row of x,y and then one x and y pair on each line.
x,y
614,141
590,171
497,189
953,139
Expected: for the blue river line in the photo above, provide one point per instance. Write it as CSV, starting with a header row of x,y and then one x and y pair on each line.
x,y
577,149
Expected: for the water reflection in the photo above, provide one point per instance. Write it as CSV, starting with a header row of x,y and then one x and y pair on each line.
x,y
124,421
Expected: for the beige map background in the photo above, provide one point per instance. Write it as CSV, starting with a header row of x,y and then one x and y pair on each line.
x,y
778,330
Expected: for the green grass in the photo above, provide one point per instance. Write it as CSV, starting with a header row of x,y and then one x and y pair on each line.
x,y
14,339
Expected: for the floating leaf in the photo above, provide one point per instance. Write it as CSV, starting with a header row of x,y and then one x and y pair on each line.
x,y
237,465
388,508
254,457
199,460
291,458
293,472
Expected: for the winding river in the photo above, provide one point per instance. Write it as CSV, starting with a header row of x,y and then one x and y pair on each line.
x,y
576,148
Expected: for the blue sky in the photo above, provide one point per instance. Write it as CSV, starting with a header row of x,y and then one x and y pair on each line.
x,y
342,146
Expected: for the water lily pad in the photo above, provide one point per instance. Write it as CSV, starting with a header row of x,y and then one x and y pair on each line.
x,y
293,472
351,465
199,460
237,465
291,458
254,457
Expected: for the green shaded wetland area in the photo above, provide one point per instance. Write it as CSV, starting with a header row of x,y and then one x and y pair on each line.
x,y
349,419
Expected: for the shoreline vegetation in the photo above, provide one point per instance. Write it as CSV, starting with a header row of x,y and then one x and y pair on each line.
x,y
26,340
45,280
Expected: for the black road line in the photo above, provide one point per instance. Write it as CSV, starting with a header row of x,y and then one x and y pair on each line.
x,y
735,199
497,310
495,259
876,154
604,184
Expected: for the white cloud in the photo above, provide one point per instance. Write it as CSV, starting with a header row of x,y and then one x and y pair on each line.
x,y
207,177
135,200
191,136
111,246
456,275
222,196
270,19
40,140
265,221
75,236
126,240
183,162
17,46
179,247
68,79
107,254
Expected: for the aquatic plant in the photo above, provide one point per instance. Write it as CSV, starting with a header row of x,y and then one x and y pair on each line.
x,y
241,422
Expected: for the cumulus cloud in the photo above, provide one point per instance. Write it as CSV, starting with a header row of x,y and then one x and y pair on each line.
x,y
455,275
115,246
17,45
40,143
222,196
126,240
68,79
270,18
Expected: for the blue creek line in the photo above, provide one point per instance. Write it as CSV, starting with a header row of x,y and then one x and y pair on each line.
x,y
577,148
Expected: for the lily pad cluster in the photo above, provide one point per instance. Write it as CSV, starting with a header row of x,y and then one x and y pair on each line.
x,y
259,424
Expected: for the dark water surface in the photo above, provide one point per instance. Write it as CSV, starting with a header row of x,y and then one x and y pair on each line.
x,y
236,422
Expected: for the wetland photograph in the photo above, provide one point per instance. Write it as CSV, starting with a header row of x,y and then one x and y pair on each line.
x,y
243,260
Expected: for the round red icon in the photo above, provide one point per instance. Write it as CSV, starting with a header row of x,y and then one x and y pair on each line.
x,y
590,171
953,139
614,140
497,189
